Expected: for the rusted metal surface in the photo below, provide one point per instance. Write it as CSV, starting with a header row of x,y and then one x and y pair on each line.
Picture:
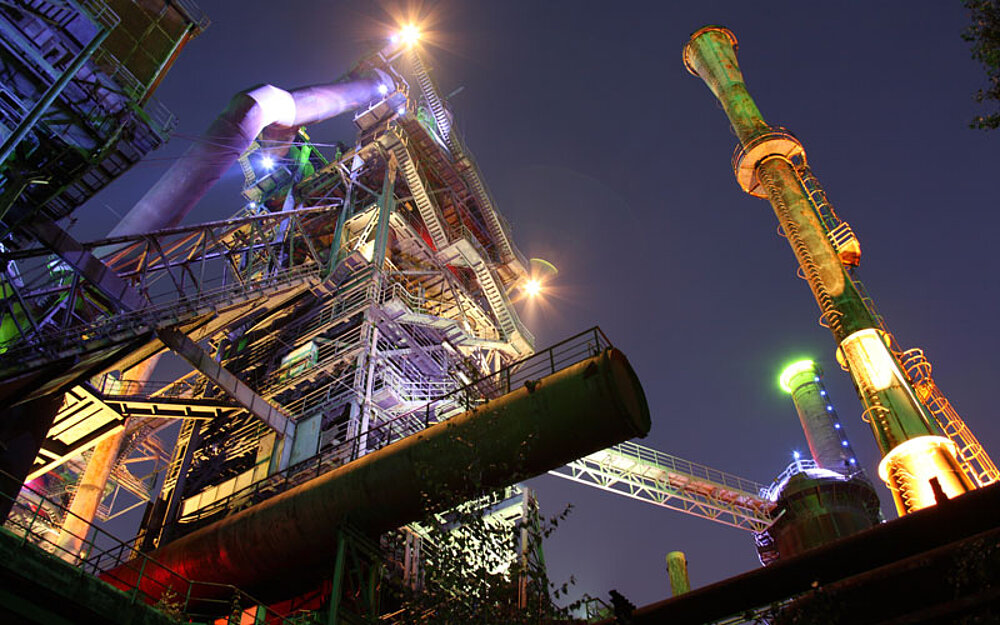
x,y
287,542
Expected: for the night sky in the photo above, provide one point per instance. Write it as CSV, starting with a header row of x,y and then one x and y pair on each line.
x,y
612,162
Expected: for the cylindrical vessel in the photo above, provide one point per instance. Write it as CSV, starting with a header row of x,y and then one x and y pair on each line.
x,y
817,507
827,440
282,545
764,167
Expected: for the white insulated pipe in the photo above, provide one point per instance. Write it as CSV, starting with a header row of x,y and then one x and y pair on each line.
x,y
248,113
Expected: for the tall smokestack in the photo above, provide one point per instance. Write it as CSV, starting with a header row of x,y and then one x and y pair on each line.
x,y
914,450
827,441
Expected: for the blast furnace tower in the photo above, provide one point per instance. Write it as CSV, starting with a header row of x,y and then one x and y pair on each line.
x,y
356,358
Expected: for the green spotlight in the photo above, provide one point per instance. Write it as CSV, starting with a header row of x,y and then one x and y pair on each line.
x,y
792,370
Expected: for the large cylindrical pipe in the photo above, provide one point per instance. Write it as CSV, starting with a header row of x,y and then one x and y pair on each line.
x,y
764,167
87,498
92,483
282,545
232,132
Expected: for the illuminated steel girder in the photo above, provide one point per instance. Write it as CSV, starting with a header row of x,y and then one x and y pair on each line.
x,y
658,478
200,278
89,414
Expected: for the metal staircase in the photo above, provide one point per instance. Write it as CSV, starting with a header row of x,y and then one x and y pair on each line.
x,y
463,252
432,97
429,213
463,159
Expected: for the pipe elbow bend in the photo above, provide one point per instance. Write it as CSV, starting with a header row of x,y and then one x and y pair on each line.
x,y
276,105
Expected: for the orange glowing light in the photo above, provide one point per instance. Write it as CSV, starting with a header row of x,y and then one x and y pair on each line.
x,y
532,288
409,34
909,468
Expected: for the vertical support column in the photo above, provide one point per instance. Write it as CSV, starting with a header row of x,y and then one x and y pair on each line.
x,y
338,234
177,494
371,349
386,204
336,586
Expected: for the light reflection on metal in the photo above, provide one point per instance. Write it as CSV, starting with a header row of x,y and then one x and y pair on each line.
x,y
912,466
865,354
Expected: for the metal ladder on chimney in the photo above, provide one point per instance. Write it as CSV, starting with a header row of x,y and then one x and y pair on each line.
x,y
975,461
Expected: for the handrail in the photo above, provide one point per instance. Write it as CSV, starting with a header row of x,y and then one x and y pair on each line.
x,y
149,316
527,370
103,560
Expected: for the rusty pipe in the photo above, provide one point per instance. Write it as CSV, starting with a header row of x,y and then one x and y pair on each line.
x,y
279,547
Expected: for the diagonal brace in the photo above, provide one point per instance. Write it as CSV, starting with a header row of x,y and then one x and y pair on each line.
x,y
109,283
259,407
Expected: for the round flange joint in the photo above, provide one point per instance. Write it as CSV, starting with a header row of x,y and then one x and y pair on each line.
x,y
776,142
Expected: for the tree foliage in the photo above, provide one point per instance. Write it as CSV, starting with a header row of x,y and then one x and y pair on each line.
x,y
984,35
476,570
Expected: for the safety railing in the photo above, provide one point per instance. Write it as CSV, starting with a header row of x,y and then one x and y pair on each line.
x,y
975,461
575,349
123,566
110,386
739,487
799,465
150,317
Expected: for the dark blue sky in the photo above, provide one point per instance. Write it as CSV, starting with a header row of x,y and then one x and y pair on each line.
x,y
612,162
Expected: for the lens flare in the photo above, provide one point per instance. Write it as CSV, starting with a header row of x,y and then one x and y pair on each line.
x,y
532,288
409,34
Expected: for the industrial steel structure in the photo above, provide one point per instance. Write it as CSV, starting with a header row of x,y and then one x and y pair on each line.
x,y
356,360
926,447
355,314
76,110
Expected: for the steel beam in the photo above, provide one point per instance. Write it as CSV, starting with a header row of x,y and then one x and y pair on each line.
x,y
271,415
